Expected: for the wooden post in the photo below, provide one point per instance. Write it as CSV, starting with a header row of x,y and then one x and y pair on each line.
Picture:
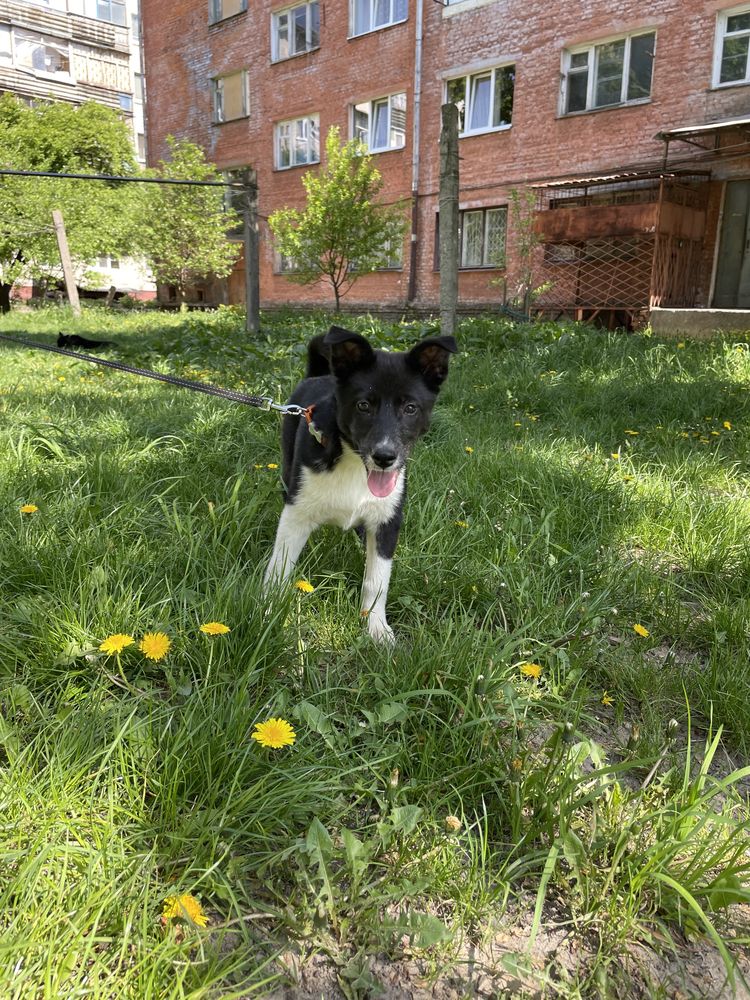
x,y
448,218
67,264
250,227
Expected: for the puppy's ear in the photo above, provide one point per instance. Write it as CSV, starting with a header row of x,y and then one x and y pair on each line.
x,y
430,358
348,351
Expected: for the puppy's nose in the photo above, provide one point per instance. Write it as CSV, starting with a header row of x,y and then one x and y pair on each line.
x,y
384,458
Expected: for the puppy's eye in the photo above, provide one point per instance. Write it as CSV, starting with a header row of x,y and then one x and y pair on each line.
x,y
363,406
410,409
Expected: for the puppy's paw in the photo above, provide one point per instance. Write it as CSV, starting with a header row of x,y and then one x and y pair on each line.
x,y
380,631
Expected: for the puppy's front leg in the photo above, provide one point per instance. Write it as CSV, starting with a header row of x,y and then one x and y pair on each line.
x,y
381,544
293,531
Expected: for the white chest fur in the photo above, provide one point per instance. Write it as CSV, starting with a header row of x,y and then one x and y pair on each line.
x,y
342,497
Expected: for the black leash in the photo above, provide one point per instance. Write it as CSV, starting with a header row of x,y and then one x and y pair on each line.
x,y
260,402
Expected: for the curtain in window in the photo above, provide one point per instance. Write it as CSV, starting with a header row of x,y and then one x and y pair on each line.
x,y
379,133
471,244
361,16
481,94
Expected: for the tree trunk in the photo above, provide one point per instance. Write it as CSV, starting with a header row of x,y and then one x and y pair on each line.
x,y
338,297
5,297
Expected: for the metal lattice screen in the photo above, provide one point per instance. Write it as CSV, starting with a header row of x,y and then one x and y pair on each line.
x,y
604,273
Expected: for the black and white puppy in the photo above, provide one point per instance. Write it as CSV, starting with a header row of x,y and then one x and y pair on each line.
x,y
344,461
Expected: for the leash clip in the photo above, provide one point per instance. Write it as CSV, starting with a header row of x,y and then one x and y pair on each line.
x,y
288,409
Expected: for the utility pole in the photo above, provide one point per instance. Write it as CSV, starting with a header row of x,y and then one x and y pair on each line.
x,y
67,264
249,180
448,218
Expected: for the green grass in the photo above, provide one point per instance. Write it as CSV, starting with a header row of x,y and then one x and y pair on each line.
x,y
124,781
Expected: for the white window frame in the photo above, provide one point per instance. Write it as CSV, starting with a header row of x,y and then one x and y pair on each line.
x,y
217,98
45,40
310,141
312,16
398,12
374,107
113,5
722,19
467,110
486,213
216,11
592,71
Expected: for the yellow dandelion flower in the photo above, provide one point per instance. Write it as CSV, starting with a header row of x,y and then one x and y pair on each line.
x,y
727,425
681,344
272,465
607,699
184,907
274,733
531,670
256,466
215,628
632,433
640,630
116,643
469,450
516,763
715,434
615,456
628,479
29,508
304,586
462,524
155,645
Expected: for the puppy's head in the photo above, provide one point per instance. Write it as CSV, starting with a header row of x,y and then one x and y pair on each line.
x,y
385,399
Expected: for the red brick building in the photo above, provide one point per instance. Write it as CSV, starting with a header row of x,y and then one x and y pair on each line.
x,y
630,123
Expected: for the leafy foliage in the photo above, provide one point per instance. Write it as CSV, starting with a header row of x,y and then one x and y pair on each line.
x,y
62,138
184,231
343,232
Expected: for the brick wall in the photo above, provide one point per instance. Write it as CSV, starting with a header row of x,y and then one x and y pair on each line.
x,y
182,53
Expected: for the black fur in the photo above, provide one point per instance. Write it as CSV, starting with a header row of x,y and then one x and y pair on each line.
x,y
75,340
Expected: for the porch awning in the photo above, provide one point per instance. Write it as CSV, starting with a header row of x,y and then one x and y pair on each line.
x,y
688,132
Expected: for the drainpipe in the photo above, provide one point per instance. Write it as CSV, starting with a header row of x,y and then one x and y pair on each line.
x,y
412,291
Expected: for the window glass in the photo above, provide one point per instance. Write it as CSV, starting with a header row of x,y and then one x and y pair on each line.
x,y
610,60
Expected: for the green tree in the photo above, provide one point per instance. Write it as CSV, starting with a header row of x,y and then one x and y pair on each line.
x,y
342,232
184,235
61,137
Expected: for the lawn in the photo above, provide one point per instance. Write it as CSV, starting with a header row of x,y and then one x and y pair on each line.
x,y
539,791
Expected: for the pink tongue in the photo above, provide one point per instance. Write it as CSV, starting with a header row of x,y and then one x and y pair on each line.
x,y
382,484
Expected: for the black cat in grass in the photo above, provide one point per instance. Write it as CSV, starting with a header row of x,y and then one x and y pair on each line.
x,y
74,340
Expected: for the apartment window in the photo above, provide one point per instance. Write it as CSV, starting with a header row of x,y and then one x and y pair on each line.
x,y
285,265
219,10
381,124
41,54
297,142
482,237
111,10
140,87
140,145
135,27
369,15
230,97
393,256
733,47
484,100
126,102
295,31
109,262
615,72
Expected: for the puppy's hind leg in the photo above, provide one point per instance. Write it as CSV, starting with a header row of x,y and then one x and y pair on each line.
x,y
381,544
291,535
